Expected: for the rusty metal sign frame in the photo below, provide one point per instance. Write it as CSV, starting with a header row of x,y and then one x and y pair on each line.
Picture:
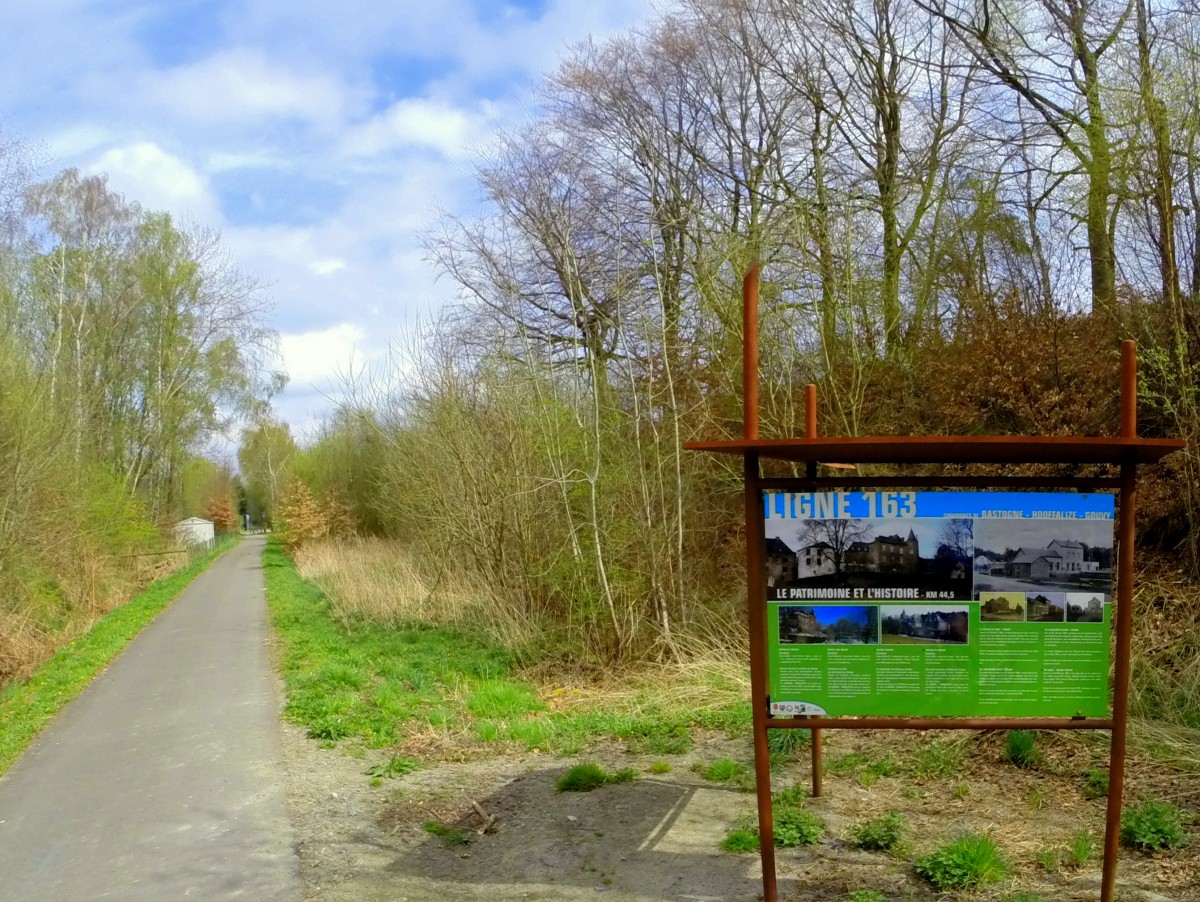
x,y
1126,452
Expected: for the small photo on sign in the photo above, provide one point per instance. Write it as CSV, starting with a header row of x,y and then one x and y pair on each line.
x,y
828,625
925,625
1046,607
1085,607
1002,607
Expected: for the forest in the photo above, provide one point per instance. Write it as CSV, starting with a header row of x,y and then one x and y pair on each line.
x,y
128,343
960,210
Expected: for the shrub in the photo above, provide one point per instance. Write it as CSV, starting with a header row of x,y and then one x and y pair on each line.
x,y
880,834
1153,825
1019,748
968,862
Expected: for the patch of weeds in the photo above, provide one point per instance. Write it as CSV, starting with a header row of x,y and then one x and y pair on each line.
x,y
784,744
1046,858
1037,799
487,730
660,767
742,839
1022,897
449,835
795,795
588,776
866,895
502,699
535,733
723,770
849,763
396,766
662,739
1020,748
1152,825
881,834
970,861
376,782
797,827
961,790
869,769
1079,850
1095,783
939,758
794,825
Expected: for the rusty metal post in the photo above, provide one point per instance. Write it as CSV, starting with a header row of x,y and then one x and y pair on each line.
x,y
1125,565
750,352
810,431
755,590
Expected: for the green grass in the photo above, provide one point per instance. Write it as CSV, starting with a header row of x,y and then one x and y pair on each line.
x,y
969,862
724,770
449,835
358,682
1095,783
588,776
25,708
743,839
1020,748
396,766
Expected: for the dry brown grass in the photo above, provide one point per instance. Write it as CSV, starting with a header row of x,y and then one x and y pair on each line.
x,y
376,580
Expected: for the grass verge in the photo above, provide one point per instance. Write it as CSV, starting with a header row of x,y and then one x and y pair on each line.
x,y
26,707
432,688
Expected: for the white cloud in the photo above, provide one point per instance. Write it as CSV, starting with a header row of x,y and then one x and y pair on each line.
x,y
415,122
240,86
317,358
144,172
327,266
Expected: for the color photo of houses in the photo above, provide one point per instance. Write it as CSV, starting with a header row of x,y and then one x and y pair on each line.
x,y
828,625
1049,607
933,557
925,625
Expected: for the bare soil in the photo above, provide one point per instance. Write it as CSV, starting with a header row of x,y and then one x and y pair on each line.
x,y
657,838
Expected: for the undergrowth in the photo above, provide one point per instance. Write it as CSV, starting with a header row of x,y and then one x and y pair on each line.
x,y
377,684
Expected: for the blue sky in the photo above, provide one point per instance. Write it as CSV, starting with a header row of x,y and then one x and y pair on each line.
x,y
320,138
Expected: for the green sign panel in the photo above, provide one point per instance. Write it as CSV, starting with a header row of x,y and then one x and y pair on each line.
x,y
939,604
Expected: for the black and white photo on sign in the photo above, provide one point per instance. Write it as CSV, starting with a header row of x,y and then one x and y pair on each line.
x,y
926,553
1035,556
1084,607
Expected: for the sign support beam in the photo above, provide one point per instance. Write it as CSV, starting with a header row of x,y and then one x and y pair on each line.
x,y
1125,452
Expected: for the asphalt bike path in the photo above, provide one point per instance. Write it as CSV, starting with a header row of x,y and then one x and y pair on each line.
x,y
163,779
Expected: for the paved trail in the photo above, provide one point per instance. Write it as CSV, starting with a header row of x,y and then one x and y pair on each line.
x,y
162,781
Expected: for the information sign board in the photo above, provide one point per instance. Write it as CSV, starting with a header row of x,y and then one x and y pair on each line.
x,y
938,603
